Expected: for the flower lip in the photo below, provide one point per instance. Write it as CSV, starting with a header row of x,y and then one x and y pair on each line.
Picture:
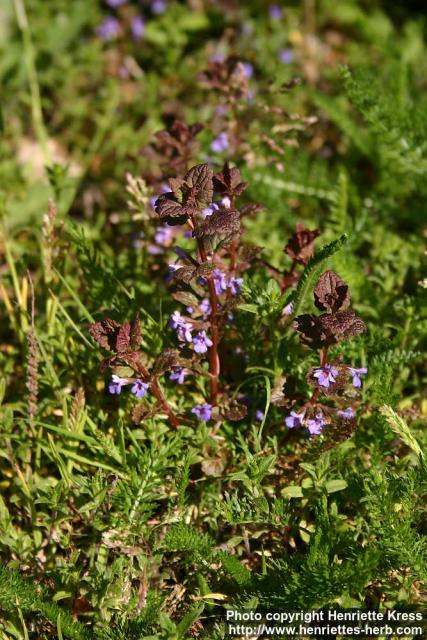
x,y
220,143
108,29
201,342
325,375
178,374
295,420
347,414
356,373
140,388
316,425
116,384
203,412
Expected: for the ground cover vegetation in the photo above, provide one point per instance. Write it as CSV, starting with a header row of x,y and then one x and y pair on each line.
x,y
213,313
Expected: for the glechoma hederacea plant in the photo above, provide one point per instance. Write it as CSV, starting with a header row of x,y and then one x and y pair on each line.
x,y
209,282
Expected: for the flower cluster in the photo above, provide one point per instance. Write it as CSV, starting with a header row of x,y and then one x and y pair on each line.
x,y
331,376
139,387
314,422
111,27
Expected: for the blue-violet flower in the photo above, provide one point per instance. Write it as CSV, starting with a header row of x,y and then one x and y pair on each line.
x,y
202,411
325,375
356,373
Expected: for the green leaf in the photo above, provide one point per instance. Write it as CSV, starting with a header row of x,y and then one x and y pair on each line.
x,y
293,491
188,620
332,486
401,429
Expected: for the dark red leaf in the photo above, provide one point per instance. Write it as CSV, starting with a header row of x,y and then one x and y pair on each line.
x,y
301,244
331,293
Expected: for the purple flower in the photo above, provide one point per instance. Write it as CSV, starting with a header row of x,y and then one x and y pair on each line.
x,y
154,251
356,373
221,109
220,143
116,385
235,285
201,342
209,210
248,70
275,12
140,388
205,307
295,419
259,415
158,6
315,425
163,235
178,374
347,414
115,3
325,375
137,27
176,320
286,56
172,268
220,281
181,326
288,310
108,29
202,411
216,56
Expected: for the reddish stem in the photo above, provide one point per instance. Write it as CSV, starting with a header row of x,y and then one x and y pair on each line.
x,y
232,252
213,351
158,394
323,360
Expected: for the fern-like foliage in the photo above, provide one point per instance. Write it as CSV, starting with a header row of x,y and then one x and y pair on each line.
x,y
14,590
183,538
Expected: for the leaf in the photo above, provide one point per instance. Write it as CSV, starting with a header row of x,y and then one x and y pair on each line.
x,y
401,429
190,618
331,293
184,274
123,339
204,269
135,333
322,331
198,180
223,223
104,333
228,182
190,194
235,568
214,466
300,245
312,271
186,297
165,361
250,308
235,412
142,412
292,491
332,486
170,209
